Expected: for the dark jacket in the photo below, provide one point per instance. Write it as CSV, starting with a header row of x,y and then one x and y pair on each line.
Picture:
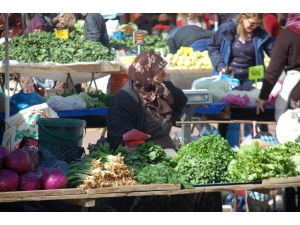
x,y
219,48
126,112
95,29
185,36
143,24
286,56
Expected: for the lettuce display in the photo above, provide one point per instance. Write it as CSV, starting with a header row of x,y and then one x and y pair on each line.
x,y
255,163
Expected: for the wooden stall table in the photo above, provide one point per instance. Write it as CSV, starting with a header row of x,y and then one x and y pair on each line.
x,y
72,73
87,198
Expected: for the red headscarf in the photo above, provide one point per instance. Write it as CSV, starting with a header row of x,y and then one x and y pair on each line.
x,y
155,95
34,23
293,22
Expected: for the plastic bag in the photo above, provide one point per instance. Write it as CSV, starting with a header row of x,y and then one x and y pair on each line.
x,y
21,101
233,82
236,99
288,126
68,103
44,83
24,124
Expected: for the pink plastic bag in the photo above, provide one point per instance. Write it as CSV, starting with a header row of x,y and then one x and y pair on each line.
x,y
236,99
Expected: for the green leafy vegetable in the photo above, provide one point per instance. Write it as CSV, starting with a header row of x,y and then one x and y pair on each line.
x,y
205,160
255,163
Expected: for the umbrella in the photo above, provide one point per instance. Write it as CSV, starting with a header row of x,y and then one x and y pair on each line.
x,y
6,63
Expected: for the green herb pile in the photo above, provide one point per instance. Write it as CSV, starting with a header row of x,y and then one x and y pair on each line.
x,y
45,47
204,161
255,163
152,42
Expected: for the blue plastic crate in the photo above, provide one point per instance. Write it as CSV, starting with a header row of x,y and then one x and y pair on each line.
x,y
213,108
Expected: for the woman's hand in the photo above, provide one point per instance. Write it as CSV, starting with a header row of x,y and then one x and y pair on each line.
x,y
226,69
260,105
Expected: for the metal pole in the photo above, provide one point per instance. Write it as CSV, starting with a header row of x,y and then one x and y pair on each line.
x,y
216,22
6,85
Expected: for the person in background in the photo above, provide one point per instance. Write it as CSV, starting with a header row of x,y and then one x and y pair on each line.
x,y
243,45
65,20
181,19
46,17
212,18
188,36
142,23
237,45
271,24
197,19
14,24
162,19
95,29
285,56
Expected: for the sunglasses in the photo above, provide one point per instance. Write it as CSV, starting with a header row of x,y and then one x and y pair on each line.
x,y
251,23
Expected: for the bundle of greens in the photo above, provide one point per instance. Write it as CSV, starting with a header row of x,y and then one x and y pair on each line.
x,y
142,155
45,47
106,171
254,163
162,173
204,161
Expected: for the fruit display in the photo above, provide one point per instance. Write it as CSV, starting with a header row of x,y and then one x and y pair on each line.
x,y
187,58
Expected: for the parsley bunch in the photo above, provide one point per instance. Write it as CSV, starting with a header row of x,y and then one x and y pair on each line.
x,y
204,161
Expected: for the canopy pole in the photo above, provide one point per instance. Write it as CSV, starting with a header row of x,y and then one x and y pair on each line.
x,y
6,63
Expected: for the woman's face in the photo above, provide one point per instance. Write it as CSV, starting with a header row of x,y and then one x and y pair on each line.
x,y
250,23
160,76
38,29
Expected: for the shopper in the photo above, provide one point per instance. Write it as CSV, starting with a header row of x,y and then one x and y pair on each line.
x,y
285,56
65,20
271,24
239,44
142,23
95,29
188,36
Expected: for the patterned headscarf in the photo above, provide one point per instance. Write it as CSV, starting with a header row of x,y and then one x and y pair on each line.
x,y
155,95
293,22
34,23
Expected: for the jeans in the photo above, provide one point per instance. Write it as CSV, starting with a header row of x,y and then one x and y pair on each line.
x,y
200,45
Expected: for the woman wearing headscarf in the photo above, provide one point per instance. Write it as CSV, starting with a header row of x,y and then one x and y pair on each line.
x,y
285,56
151,105
146,103
36,25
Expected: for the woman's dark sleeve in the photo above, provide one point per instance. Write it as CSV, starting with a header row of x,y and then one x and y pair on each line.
x,y
180,101
121,118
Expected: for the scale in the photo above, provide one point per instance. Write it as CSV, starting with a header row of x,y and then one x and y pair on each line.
x,y
139,39
195,98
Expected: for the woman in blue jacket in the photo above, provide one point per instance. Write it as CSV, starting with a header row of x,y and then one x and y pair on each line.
x,y
239,44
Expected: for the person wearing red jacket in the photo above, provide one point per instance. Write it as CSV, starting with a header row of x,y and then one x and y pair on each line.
x,y
271,24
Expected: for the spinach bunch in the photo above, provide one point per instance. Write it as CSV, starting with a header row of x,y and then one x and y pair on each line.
x,y
255,163
143,155
45,47
204,161
161,173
